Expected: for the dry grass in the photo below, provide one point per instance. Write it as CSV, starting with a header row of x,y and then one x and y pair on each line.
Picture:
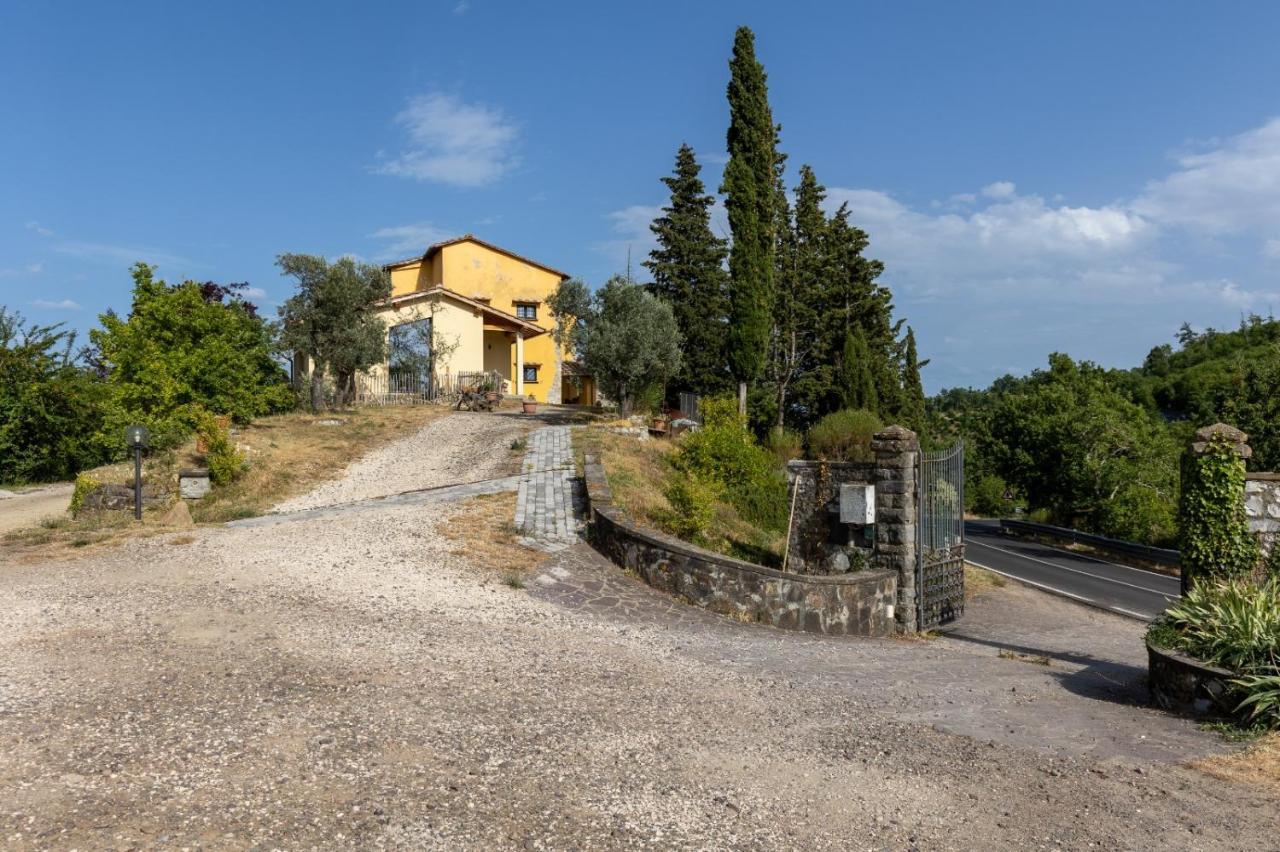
x,y
978,580
483,531
288,454
1256,766
638,471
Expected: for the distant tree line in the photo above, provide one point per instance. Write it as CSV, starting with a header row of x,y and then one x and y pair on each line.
x,y
1099,448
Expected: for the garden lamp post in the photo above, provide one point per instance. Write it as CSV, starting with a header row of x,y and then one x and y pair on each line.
x,y
136,437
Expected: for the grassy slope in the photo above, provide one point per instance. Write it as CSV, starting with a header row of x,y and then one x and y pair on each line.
x,y
638,472
288,454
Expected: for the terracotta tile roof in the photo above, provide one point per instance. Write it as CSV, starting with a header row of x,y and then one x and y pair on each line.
x,y
471,238
530,328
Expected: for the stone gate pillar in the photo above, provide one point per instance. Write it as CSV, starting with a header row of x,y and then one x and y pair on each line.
x,y
897,451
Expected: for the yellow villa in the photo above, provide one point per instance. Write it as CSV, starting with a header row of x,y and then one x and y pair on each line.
x,y
486,310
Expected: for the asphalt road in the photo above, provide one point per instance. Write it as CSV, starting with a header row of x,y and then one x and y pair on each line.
x,y
1119,588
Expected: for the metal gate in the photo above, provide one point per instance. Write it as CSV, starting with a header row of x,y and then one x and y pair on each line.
x,y
940,537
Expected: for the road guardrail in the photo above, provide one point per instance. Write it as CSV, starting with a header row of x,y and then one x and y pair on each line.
x,y
1159,555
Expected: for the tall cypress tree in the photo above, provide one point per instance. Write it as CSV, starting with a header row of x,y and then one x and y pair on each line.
x,y
688,273
857,381
912,389
798,282
751,199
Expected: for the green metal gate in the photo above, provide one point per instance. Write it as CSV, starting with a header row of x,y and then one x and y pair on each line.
x,y
940,537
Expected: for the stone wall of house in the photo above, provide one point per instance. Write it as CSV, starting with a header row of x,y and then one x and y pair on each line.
x,y
819,543
857,603
1262,508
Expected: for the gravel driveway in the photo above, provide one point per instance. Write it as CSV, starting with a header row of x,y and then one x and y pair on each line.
x,y
350,682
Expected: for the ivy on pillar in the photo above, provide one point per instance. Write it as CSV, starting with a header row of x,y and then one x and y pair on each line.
x,y
1213,529
897,451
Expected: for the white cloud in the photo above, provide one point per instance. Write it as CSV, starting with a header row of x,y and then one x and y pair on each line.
x,y
454,142
121,254
1233,186
404,240
61,305
462,8
39,229
631,227
999,189
1271,249
255,293
29,269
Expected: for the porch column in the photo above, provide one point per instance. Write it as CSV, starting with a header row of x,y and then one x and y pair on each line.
x,y
520,364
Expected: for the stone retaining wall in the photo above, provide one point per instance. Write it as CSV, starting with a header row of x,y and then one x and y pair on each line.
x,y
820,544
1181,684
859,603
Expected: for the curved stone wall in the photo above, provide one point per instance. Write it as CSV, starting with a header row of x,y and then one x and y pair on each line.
x,y
1182,684
859,603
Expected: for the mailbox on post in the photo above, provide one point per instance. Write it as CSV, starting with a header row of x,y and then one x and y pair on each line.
x,y
136,438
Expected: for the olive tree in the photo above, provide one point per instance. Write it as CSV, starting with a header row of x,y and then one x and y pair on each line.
x,y
331,319
623,335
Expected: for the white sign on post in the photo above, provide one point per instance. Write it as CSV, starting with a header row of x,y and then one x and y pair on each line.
x,y
857,503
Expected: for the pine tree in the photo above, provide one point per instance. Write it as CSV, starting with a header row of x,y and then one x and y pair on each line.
x,y
688,273
751,200
912,413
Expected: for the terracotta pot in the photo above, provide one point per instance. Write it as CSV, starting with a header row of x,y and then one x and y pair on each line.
x,y
660,424
530,407
492,396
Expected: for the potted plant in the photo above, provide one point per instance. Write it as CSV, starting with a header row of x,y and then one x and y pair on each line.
x,y
529,404
660,421
489,389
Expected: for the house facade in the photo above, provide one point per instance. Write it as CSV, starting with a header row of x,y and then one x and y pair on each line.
x,y
481,308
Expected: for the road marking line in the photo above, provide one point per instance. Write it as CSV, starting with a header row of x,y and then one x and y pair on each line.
x,y
1090,557
1077,571
1064,592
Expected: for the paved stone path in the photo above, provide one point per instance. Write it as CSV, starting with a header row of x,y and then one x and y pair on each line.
x,y
549,499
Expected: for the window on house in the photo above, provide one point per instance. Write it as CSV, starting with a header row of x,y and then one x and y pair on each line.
x,y
530,374
527,310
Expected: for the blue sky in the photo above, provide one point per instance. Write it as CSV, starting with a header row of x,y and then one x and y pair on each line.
x,y
1036,176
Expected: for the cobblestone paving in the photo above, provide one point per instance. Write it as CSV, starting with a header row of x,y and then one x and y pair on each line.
x,y
549,500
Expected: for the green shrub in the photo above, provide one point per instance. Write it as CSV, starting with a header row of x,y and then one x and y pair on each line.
x,y
693,505
1230,623
1137,513
986,497
785,444
1234,624
85,485
225,462
724,452
844,435
1262,699
51,407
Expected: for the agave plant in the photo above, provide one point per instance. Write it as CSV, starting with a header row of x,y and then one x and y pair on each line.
x,y
1233,623
1262,698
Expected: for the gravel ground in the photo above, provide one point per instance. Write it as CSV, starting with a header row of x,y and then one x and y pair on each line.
x,y
352,682
461,447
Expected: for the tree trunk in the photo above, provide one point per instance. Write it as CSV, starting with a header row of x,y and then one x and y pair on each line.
x,y
317,388
742,398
